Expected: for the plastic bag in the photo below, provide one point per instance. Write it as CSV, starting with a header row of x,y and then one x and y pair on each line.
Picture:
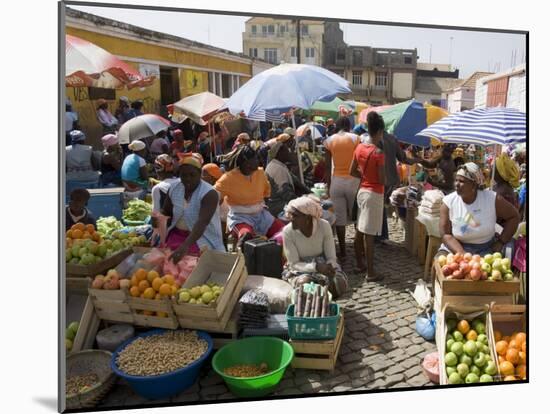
x,y
430,365
425,326
278,291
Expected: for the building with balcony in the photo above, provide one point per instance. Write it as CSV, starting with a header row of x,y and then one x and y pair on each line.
x,y
376,75
274,40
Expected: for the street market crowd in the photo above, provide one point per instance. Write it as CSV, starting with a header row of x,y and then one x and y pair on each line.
x,y
219,189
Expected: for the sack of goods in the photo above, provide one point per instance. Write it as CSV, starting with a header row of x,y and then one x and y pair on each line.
x,y
431,203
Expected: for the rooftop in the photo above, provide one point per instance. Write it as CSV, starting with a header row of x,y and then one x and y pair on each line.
x,y
470,83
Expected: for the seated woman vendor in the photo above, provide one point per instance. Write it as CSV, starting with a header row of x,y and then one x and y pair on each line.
x,y
192,205
468,216
245,186
134,168
309,247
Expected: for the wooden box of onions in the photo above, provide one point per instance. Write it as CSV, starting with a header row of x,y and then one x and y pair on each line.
x,y
312,316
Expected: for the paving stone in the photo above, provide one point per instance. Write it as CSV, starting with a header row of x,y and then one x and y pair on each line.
x,y
338,380
413,350
394,379
410,362
374,340
418,340
287,384
307,378
396,369
401,322
311,387
404,331
357,345
404,343
214,379
400,385
390,326
401,357
414,370
215,391
418,380
379,383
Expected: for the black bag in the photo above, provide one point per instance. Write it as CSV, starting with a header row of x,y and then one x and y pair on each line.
x,y
263,257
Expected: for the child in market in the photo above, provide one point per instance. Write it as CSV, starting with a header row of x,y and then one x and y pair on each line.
x,y
76,211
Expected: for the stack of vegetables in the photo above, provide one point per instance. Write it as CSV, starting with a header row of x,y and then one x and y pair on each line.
x,y
137,211
107,225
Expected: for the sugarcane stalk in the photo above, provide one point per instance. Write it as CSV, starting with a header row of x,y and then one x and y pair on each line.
x,y
307,309
318,303
298,302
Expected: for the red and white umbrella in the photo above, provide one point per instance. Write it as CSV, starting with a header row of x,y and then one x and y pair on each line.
x,y
86,64
143,126
200,107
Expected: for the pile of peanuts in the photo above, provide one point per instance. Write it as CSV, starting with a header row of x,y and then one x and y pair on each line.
x,y
159,354
80,383
246,370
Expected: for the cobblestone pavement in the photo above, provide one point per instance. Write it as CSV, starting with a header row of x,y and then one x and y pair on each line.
x,y
380,348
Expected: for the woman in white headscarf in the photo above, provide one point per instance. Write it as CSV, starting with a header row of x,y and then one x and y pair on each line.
x,y
309,247
468,216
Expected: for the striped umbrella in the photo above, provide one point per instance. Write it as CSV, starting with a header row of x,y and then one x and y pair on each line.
x,y
481,126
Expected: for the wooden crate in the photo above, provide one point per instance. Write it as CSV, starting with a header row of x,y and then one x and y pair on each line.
x,y
320,355
99,267
138,305
77,285
112,305
507,319
460,312
213,318
471,287
229,334
87,329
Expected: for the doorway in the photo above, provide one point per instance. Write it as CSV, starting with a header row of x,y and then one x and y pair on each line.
x,y
169,88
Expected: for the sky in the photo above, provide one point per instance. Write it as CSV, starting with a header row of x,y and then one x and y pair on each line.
x,y
468,51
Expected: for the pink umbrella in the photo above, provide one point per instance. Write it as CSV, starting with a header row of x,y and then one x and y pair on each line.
x,y
365,112
89,65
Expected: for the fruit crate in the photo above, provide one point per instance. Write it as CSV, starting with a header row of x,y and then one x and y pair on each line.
x,y
313,328
112,305
318,355
229,334
226,269
468,313
507,319
154,306
99,267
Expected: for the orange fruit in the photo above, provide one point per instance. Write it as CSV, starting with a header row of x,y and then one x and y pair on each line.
x,y
514,344
502,347
522,358
498,335
512,355
501,359
162,314
78,226
77,233
165,289
90,228
521,338
134,291
524,347
169,279
463,327
141,274
174,290
471,335
133,281
506,368
152,275
157,283
521,371
143,285
149,293
87,236
510,378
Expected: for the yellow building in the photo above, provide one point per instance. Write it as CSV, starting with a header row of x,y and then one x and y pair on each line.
x,y
182,68
274,40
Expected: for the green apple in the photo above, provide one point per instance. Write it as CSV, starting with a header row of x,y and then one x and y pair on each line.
x,y
457,349
207,297
75,251
462,370
497,255
205,288
195,292
451,324
470,348
69,334
486,267
68,344
479,327
506,263
450,359
458,337
496,275
483,339
102,250
455,378
465,359
192,301
450,370
73,326
471,378
184,297
475,370
450,343
508,277
486,378
489,258
490,368
68,256
479,360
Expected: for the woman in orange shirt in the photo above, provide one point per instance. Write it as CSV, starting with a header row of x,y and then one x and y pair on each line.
x,y
245,186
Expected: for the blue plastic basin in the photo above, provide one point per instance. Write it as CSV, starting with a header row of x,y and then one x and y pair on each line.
x,y
165,385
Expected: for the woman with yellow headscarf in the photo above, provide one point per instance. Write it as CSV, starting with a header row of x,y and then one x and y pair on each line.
x,y
506,178
193,207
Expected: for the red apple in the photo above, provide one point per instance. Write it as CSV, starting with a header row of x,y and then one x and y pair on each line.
x,y
484,275
465,267
476,266
476,258
475,274
457,274
446,270
454,266
467,256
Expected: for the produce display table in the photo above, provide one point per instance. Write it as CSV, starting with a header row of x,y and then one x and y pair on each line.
x,y
320,355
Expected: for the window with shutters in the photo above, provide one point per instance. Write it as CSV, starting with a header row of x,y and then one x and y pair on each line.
x,y
357,78
254,29
310,52
253,52
270,55
381,80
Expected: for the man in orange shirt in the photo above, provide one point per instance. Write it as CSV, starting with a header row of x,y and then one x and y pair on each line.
x,y
341,185
245,187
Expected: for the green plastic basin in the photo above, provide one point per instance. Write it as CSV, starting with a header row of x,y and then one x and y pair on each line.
x,y
275,352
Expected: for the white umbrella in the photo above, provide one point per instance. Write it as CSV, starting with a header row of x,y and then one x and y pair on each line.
x,y
200,107
142,126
